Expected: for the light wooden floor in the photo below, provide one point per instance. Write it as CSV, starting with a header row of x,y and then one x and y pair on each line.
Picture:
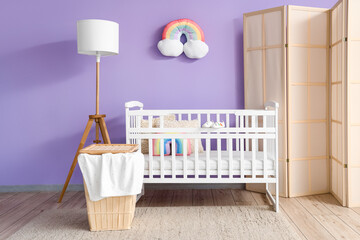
x,y
314,217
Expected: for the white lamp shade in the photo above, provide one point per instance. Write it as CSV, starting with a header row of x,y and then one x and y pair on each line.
x,y
97,37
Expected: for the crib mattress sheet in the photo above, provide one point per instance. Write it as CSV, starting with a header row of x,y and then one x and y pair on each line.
x,y
259,161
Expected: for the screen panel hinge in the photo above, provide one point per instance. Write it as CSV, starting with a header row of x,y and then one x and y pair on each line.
x,y
286,45
345,165
287,160
345,39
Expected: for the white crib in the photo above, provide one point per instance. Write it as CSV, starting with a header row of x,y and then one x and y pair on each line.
x,y
245,151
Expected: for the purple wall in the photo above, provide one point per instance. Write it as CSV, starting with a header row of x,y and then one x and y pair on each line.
x,y
47,89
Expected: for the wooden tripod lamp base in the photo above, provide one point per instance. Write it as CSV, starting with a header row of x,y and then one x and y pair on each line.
x,y
100,124
98,38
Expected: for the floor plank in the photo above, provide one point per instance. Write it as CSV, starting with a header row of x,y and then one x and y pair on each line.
x,y
261,198
145,200
203,197
334,225
357,210
4,196
22,209
347,215
182,198
316,217
67,197
14,201
308,225
76,201
162,198
243,197
297,230
223,197
51,203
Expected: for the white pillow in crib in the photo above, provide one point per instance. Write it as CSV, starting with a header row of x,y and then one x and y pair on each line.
x,y
185,124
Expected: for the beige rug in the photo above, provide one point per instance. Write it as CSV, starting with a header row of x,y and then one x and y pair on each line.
x,y
233,222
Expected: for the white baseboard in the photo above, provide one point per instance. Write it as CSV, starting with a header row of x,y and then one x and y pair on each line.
x,y
167,186
41,188
80,187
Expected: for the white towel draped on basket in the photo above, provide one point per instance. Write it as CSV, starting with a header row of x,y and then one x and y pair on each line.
x,y
112,175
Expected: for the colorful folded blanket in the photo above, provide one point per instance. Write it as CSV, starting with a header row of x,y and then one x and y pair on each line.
x,y
167,147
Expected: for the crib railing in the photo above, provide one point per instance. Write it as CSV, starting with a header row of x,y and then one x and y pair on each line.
x,y
246,131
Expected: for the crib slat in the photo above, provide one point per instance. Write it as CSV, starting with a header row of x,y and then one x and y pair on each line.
x,y
185,157
173,158
196,158
265,156
138,125
237,126
228,126
218,146
132,125
208,151
179,117
208,158
161,121
151,158
162,162
230,148
253,122
241,157
255,125
132,141
189,116
247,126
264,121
199,119
253,152
150,121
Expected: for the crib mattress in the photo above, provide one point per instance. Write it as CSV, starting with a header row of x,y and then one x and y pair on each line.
x,y
259,161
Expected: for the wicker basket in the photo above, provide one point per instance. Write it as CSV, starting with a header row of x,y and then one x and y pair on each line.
x,y
113,213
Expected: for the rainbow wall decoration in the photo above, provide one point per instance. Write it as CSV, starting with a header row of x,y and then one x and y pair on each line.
x,y
171,46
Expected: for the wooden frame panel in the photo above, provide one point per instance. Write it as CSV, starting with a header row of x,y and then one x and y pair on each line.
x,y
307,82
337,109
352,99
258,82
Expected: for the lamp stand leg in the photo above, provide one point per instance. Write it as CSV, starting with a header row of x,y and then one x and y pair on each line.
x,y
73,165
100,123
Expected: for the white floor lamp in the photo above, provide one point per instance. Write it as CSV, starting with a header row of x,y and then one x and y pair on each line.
x,y
98,38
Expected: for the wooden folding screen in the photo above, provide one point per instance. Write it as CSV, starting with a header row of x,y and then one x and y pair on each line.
x,y
304,155
337,109
352,102
264,53
319,117
307,85
345,98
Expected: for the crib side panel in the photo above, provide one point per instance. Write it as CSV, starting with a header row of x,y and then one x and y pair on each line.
x,y
228,148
